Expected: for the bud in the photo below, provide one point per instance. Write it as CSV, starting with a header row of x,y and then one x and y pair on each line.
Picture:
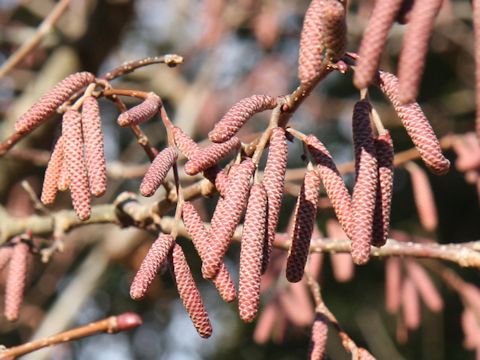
x,y
318,340
157,171
127,321
52,174
16,280
142,112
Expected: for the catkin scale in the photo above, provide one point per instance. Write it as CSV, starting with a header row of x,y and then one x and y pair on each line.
x,y
318,340
157,171
16,280
48,103
251,253
141,112
52,174
305,213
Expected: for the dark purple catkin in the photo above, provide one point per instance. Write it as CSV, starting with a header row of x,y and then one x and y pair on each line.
x,y
333,28
373,41
48,103
94,148
52,174
318,340
142,112
238,115
417,126
227,215
383,202
191,298
208,157
73,149
273,180
365,189
251,253
16,280
155,259
304,220
476,29
157,171
414,48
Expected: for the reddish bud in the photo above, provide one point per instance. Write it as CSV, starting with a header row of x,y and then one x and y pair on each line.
x,y
128,320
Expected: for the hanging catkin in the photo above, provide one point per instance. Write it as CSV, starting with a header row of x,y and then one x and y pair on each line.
x,y
238,115
73,149
410,304
424,284
155,259
191,298
417,126
365,189
273,180
157,171
48,103
393,284
16,280
304,220
333,28
251,253
94,148
52,174
318,340
142,112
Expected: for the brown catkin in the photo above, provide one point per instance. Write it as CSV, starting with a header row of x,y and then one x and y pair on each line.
x,y
238,115
365,189
48,103
251,253
476,29
73,148
381,219
142,112
200,238
94,148
318,340
393,283
157,171
226,217
373,41
191,298
16,280
305,213
334,28
414,48
417,126
424,284
153,262
336,190
410,305
5,254
52,174
208,157
273,180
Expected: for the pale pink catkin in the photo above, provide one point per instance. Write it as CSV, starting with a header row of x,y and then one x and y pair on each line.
x,y
318,339
142,112
410,304
16,280
342,264
266,323
393,281
52,174
157,171
424,284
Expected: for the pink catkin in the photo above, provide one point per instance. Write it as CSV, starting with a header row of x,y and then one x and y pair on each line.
x,y
410,305
52,174
265,323
300,292
73,148
393,280
64,177
423,196
226,217
476,28
424,285
471,329
273,180
414,48
417,126
364,354
251,253
94,148
297,315
365,189
238,115
200,238
16,280
373,41
334,28
305,214
153,262
208,157
142,112
318,340
48,103
332,180
157,171
5,254
381,221
342,264
191,298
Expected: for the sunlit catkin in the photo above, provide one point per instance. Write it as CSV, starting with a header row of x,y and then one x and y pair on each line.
x,y
16,280
333,28
52,174
157,171
141,112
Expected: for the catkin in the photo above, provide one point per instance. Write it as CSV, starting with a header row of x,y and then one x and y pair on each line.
x,y
417,126
424,286
410,305
157,171
373,41
305,213
342,264
251,253
476,29
155,259
365,189
94,148
318,340
273,180
333,28
364,354
393,283
52,174
238,115
142,112
48,103
266,323
73,149
208,157
414,48
191,298
16,280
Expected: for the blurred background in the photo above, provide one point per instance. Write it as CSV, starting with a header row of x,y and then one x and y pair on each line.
x,y
232,49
